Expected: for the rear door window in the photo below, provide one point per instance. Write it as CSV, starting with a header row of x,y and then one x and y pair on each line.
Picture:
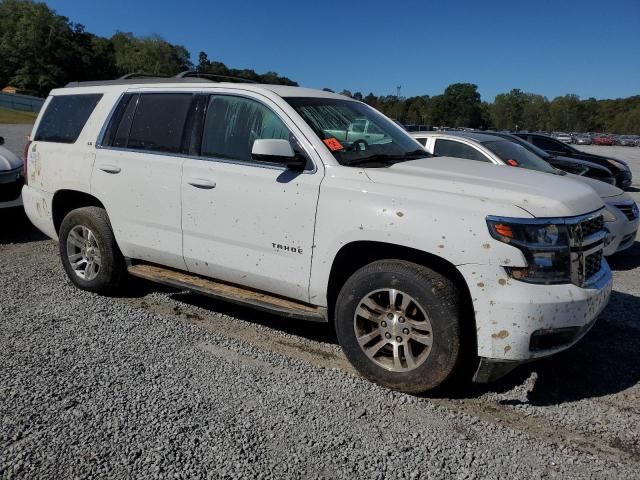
x,y
158,122
451,148
65,117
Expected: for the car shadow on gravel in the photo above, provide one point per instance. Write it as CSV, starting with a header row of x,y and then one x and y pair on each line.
x,y
15,227
321,332
626,260
606,361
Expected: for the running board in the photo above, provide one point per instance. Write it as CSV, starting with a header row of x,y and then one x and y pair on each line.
x,y
229,293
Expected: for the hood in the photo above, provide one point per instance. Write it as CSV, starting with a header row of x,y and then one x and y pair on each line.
x,y
577,161
9,160
603,189
540,194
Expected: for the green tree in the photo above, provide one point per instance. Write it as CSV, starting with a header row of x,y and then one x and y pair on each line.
x,y
151,55
36,46
462,105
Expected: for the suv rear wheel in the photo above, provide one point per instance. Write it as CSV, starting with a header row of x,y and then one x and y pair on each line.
x,y
399,324
89,252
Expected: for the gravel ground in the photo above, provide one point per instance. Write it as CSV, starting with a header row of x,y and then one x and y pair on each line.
x,y
165,384
15,136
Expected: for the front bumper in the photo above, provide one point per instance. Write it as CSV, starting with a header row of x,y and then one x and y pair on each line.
x,y
622,231
10,185
509,312
37,206
623,179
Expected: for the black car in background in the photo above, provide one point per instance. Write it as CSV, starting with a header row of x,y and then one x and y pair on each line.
x,y
571,165
620,169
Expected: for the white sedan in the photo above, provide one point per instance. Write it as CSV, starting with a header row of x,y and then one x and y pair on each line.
x,y
11,180
621,215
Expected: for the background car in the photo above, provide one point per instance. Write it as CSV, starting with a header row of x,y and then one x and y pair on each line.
x,y
569,165
602,140
582,140
624,141
11,180
619,168
563,137
621,215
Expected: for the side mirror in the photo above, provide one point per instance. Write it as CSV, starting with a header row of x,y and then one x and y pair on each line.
x,y
1,140
277,151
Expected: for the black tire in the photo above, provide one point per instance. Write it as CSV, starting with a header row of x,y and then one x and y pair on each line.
x,y
439,299
112,271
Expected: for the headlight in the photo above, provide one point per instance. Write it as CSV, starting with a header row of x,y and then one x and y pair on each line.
x,y
608,215
544,245
618,164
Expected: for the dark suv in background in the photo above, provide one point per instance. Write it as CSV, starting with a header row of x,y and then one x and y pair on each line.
x,y
618,168
571,165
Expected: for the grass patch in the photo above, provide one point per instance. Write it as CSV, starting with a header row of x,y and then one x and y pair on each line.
x,y
16,116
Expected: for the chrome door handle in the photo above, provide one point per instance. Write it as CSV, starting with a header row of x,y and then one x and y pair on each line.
x,y
110,168
202,183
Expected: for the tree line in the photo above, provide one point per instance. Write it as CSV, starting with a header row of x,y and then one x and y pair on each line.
x,y
461,106
40,50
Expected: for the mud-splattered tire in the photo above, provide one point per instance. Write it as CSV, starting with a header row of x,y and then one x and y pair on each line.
x,y
89,252
399,325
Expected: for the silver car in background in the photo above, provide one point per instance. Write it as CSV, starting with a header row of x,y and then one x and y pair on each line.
x,y
11,179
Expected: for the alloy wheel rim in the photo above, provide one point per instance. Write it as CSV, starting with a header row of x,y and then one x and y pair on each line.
x,y
83,253
393,330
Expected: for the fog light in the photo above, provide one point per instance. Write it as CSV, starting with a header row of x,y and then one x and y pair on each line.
x,y
553,338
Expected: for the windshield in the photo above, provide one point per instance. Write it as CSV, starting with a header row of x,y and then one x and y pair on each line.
x,y
355,133
517,156
530,146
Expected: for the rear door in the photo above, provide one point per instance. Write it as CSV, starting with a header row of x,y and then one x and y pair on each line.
x,y
245,221
137,174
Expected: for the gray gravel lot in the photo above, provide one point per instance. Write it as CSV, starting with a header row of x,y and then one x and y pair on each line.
x,y
15,136
165,384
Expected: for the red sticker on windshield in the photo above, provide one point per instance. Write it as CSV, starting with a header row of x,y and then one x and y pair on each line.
x,y
512,162
333,144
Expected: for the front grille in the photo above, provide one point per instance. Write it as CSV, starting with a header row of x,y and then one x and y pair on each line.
x,y
587,236
591,225
592,264
628,210
10,191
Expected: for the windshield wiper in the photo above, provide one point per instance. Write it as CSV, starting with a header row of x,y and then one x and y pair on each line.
x,y
388,159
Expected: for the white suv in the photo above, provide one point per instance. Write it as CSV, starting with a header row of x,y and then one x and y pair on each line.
x,y
244,192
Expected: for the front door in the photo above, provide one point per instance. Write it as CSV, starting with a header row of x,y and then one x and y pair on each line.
x,y
245,221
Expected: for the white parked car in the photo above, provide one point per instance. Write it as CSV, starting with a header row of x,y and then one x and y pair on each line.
x,y
563,137
10,178
240,192
621,215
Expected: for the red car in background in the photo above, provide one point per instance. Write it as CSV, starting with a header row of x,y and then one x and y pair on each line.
x,y
601,140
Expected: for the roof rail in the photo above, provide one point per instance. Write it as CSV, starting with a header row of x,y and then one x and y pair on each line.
x,y
129,76
213,77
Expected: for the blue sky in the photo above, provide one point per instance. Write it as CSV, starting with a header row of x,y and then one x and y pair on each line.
x,y
591,48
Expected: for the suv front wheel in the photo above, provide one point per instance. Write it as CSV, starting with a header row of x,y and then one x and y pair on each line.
x,y
399,324
89,252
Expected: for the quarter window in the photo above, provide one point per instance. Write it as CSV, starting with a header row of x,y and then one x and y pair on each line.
x,y
65,117
451,148
233,123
